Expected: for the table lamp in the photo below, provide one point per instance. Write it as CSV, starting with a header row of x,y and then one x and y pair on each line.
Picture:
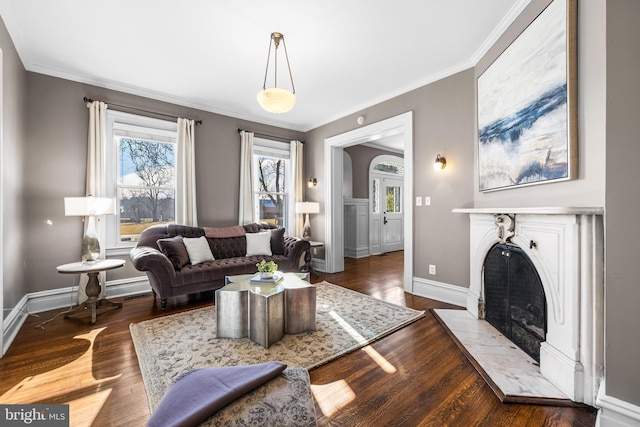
x,y
89,206
307,208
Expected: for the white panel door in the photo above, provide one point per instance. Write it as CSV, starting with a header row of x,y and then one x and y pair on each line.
x,y
392,232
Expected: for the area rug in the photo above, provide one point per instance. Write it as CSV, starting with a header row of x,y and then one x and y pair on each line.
x,y
345,321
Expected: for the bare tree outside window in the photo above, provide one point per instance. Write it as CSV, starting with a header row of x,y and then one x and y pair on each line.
x,y
271,189
146,185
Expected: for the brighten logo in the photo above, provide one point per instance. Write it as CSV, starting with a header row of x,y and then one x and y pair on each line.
x,y
36,415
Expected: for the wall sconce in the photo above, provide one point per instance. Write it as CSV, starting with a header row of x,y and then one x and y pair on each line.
x,y
312,182
440,162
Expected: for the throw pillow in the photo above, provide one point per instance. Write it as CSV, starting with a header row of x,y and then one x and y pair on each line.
x,y
174,249
277,241
198,248
259,243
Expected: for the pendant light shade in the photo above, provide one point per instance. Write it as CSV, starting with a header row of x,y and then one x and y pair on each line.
x,y
276,100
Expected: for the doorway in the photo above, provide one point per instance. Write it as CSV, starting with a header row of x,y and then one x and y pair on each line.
x,y
401,125
386,210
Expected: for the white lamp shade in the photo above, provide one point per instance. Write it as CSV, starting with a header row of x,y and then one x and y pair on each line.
x,y
86,206
276,100
307,207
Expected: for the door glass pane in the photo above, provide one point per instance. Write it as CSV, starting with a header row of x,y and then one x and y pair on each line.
x,y
393,199
375,206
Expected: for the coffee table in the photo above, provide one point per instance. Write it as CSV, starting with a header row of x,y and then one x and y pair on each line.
x,y
265,312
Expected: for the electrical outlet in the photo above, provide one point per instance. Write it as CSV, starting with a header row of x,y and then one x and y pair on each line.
x,y
418,201
432,269
427,200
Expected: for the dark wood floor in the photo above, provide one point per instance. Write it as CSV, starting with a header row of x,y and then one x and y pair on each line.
x,y
415,376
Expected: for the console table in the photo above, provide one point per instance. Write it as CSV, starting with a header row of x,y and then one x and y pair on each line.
x,y
93,285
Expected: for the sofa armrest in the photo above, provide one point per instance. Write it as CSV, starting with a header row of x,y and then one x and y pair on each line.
x,y
295,248
157,266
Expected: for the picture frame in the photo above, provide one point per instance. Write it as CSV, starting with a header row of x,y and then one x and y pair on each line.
x,y
527,105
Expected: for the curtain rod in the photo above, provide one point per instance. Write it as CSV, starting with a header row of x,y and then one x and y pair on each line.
x,y
266,136
85,99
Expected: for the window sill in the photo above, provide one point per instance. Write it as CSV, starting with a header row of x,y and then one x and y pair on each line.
x,y
120,250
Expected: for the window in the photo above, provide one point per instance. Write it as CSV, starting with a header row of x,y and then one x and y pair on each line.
x,y
140,174
389,167
272,180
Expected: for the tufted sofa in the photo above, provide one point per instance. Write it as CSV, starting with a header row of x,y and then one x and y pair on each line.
x,y
160,253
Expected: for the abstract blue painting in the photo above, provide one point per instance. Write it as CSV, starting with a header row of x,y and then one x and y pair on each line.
x,y
523,116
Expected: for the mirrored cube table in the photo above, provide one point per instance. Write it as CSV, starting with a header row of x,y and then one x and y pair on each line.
x,y
93,288
265,312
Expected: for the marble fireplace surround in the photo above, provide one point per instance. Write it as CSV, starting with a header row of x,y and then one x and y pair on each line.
x,y
566,247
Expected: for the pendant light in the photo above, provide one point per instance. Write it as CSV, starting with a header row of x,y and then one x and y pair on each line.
x,y
277,100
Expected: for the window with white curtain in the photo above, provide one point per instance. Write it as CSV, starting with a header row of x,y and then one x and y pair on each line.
x,y
273,183
140,172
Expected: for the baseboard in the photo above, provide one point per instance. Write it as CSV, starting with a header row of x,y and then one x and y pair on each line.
x,y
126,287
439,291
356,253
564,372
319,264
614,412
38,302
13,322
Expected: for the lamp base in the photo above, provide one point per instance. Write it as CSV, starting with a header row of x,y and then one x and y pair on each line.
x,y
90,242
306,230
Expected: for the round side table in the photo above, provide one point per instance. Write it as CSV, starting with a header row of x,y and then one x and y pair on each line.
x,y
93,285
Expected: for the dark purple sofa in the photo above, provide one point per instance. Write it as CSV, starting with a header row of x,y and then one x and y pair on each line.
x,y
171,276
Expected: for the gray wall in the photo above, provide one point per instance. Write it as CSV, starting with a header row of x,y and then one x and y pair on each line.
x,y
588,189
361,157
56,148
442,123
622,349
13,140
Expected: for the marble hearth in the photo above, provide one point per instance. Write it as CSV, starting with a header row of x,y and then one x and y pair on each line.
x,y
565,246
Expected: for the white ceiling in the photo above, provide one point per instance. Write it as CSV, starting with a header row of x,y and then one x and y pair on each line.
x,y
211,55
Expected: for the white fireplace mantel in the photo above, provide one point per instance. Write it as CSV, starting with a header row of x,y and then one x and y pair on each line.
x,y
534,211
565,244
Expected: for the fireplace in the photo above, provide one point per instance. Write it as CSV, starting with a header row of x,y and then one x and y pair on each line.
x,y
561,308
514,298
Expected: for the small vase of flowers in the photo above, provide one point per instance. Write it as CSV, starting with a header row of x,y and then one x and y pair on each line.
x,y
266,269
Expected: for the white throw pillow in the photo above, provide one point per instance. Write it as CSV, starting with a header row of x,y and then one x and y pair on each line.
x,y
198,249
259,243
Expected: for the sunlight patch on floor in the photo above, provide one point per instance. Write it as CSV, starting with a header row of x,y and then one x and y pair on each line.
x,y
83,411
375,356
380,360
333,397
48,386
347,327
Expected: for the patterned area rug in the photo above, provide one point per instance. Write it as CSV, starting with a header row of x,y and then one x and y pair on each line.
x,y
345,321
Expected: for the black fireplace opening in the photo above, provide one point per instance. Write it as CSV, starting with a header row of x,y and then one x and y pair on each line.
x,y
514,298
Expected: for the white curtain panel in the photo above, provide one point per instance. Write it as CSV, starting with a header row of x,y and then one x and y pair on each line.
x,y
95,185
246,211
186,210
297,165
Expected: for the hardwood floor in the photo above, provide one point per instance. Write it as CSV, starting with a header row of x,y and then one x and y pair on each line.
x,y
415,376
